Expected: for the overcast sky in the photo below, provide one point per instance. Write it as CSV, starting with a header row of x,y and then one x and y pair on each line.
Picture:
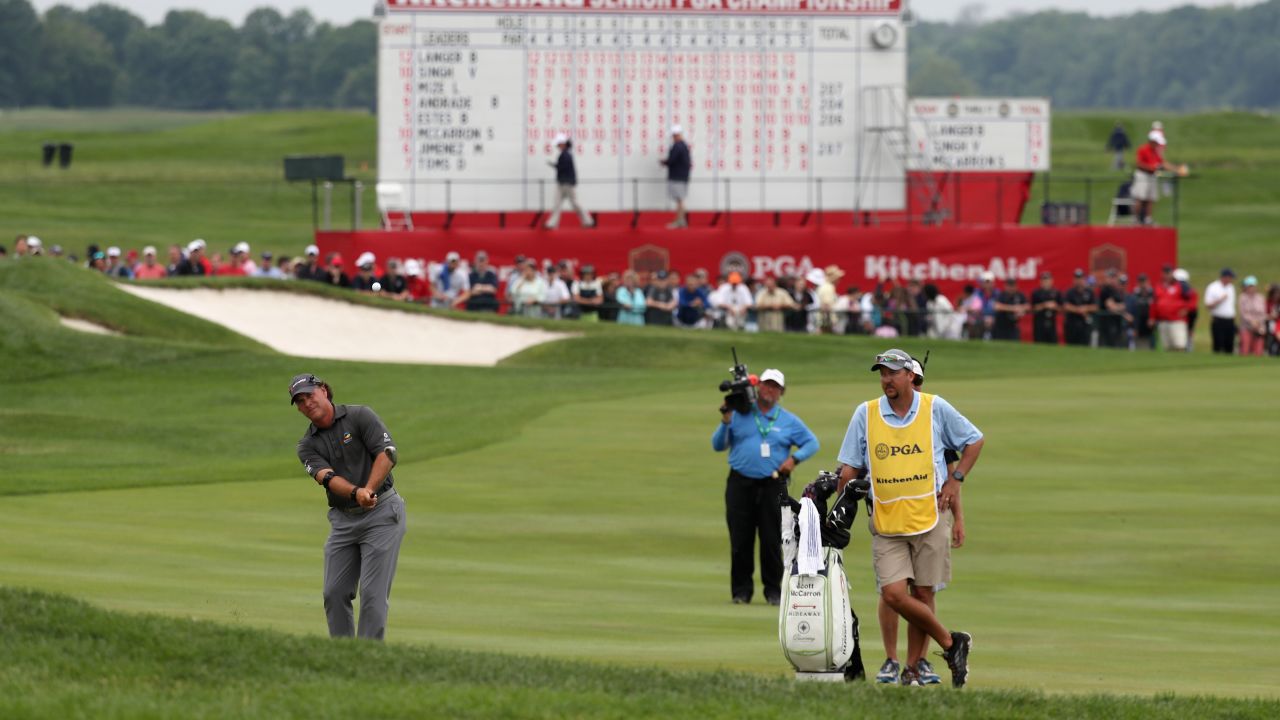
x,y
342,12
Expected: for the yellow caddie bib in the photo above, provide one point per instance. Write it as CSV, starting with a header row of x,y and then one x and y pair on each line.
x,y
902,471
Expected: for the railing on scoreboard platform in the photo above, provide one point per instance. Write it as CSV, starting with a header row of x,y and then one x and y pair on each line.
x,y
949,200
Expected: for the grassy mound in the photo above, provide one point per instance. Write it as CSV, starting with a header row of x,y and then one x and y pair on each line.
x,y
64,659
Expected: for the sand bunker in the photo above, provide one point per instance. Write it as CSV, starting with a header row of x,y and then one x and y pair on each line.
x,y
86,326
315,327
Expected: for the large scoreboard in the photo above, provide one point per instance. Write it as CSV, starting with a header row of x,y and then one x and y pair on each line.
x,y
769,94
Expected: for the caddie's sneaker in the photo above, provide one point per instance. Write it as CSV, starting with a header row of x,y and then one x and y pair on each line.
x,y
927,675
888,671
957,657
910,677
741,599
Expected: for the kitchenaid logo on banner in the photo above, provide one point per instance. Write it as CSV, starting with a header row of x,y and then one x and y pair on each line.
x,y
888,267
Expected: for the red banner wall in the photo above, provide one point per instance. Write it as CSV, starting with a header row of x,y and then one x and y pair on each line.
x,y
948,257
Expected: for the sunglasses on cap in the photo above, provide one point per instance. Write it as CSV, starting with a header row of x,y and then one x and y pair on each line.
x,y
893,358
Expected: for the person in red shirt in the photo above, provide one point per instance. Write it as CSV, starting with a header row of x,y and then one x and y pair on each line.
x,y
149,269
418,286
1149,160
1174,298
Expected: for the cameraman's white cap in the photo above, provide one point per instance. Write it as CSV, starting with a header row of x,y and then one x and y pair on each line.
x,y
775,375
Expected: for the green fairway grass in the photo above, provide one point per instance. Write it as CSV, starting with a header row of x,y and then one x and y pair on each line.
x,y
567,504
65,659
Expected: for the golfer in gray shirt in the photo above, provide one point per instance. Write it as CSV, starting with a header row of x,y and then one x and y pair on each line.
x,y
350,453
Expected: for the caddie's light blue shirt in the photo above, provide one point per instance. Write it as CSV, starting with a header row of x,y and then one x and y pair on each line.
x,y
951,431
743,438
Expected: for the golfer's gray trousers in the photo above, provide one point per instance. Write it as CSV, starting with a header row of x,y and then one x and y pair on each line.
x,y
361,552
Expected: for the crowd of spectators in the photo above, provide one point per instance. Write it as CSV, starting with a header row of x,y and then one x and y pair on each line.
x,y
1102,310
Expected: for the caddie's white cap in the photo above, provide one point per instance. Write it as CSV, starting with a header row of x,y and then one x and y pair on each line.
x,y
677,130
775,375
113,251
312,250
561,139
916,368
149,250
195,245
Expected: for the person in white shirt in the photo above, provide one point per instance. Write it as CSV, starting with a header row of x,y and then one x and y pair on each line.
x,y
1220,298
528,291
734,299
558,297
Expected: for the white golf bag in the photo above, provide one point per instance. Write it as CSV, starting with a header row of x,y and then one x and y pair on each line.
x,y
817,627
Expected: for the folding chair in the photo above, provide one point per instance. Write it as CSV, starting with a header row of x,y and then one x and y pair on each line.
x,y
391,200
1122,205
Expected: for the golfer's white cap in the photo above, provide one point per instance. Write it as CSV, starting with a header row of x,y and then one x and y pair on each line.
x,y
1157,137
366,258
241,247
312,250
195,245
775,375
149,250
677,130
561,139
412,267
1181,275
33,241
113,251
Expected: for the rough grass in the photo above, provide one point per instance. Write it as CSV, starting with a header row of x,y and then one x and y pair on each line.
x,y
66,659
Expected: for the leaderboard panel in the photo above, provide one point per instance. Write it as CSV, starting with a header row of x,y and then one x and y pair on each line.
x,y
472,94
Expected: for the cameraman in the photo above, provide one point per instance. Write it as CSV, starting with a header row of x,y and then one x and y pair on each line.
x,y
760,446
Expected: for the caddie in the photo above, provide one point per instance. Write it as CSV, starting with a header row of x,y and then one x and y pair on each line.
x,y
900,438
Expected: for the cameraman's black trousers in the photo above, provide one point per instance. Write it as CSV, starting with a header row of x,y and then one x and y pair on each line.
x,y
752,506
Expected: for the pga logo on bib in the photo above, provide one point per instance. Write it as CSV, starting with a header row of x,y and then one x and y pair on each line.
x,y
884,451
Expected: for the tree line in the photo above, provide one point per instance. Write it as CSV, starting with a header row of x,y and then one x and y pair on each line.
x,y
1184,59
1188,58
106,56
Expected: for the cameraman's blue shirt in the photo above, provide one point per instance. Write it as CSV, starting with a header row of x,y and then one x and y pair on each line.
x,y
744,434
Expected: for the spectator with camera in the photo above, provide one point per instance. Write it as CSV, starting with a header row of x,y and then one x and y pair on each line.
x,y
765,443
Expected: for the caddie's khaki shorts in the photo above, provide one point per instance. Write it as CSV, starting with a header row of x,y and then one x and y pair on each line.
x,y
1144,186
924,559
